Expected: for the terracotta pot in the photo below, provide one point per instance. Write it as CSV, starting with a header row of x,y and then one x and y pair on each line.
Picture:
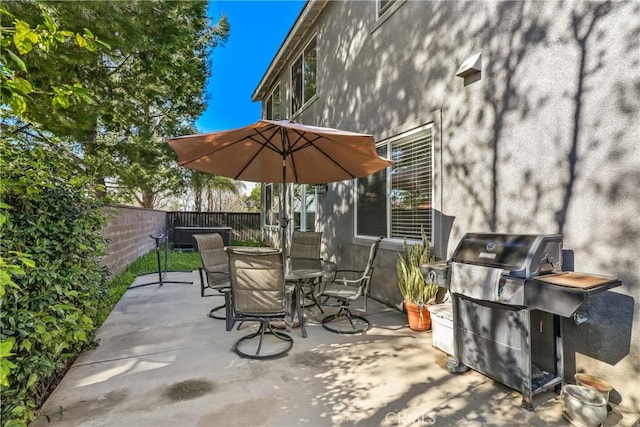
x,y
419,317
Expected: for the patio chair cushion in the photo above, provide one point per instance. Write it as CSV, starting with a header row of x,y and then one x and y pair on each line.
x,y
305,244
214,261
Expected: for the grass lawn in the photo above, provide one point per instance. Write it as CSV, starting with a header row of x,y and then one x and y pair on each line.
x,y
177,260
145,264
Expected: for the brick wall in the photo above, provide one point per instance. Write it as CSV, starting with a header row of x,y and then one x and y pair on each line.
x,y
128,231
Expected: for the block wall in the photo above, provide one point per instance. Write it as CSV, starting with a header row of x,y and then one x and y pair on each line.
x,y
128,231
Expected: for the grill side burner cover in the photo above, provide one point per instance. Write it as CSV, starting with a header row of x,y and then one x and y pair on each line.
x,y
523,255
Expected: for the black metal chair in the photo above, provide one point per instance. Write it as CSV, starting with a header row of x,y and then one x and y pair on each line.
x,y
214,271
257,294
348,286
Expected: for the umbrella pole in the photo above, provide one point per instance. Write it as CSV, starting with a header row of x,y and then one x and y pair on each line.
x,y
284,220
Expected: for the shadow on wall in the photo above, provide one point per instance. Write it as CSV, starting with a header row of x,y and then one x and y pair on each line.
x,y
606,336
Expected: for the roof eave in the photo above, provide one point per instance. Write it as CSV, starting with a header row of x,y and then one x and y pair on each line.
x,y
296,35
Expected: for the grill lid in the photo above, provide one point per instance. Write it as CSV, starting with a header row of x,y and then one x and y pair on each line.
x,y
523,255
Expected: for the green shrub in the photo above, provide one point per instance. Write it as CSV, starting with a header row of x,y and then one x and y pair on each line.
x,y
49,309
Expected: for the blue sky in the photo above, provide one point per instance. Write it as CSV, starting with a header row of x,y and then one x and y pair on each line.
x,y
257,29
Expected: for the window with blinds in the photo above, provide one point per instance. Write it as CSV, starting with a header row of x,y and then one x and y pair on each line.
x,y
396,202
411,184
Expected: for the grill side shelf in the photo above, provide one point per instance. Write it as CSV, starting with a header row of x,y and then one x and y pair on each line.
x,y
564,293
578,280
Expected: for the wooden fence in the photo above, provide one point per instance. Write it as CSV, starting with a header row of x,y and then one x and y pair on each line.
x,y
244,225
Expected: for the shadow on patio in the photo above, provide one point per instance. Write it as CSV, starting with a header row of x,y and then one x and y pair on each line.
x,y
162,362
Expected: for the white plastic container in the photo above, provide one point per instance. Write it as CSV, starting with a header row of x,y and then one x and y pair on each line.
x,y
442,326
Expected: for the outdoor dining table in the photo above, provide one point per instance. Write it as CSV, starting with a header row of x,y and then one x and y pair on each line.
x,y
299,270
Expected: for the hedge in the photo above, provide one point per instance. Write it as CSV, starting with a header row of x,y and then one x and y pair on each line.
x,y
52,283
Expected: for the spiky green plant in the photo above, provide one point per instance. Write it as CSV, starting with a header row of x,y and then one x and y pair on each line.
x,y
413,287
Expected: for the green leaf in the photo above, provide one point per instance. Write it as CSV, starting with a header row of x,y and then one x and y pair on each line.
x,y
50,23
17,104
33,378
5,348
26,345
81,41
61,100
24,37
20,85
15,58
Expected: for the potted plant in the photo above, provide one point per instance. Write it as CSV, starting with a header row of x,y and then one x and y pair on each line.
x,y
417,292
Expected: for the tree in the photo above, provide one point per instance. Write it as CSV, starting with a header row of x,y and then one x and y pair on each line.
x,y
255,199
147,87
212,189
19,85
46,209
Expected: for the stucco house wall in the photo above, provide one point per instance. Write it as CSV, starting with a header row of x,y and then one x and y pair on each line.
x,y
546,141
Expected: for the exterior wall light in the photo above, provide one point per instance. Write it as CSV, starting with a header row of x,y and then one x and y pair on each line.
x,y
321,188
471,69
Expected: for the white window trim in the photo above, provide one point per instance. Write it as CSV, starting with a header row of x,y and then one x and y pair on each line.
x,y
266,102
305,103
379,20
393,242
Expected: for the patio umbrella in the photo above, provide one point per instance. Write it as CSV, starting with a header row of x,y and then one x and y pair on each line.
x,y
281,151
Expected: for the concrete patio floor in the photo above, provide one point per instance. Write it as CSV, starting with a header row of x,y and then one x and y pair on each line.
x,y
162,362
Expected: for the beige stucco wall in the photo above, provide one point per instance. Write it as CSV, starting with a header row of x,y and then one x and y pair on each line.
x,y
547,141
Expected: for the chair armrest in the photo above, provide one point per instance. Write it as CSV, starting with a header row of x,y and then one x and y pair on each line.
x,y
339,276
222,271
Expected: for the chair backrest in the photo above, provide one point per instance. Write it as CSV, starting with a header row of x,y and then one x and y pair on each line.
x,y
211,249
305,244
368,270
257,281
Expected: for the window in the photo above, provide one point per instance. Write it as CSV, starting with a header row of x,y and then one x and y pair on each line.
x,y
396,202
304,207
303,77
273,105
383,6
271,204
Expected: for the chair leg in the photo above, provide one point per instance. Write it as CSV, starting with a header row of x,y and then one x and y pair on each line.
x,y
202,281
217,316
345,314
309,289
228,308
315,301
264,329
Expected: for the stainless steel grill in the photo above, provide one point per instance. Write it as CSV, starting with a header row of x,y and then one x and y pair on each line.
x,y
509,292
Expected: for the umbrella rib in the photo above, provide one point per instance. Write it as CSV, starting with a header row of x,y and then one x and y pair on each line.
x,y
310,143
264,144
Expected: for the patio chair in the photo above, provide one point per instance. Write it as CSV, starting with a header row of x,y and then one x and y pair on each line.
x,y
257,294
307,244
347,287
214,271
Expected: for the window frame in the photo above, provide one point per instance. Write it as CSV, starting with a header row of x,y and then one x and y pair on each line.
x,y
271,205
415,134
382,10
301,58
269,103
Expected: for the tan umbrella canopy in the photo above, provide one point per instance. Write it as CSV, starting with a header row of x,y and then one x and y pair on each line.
x,y
281,151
